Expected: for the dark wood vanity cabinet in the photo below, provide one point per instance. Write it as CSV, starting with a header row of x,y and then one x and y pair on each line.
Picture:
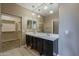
x,y
43,46
40,45
48,48
37,44
29,40
34,43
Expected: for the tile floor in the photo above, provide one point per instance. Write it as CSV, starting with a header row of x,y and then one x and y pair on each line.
x,y
22,51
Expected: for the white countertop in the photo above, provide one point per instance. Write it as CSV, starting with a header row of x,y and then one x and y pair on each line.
x,y
46,36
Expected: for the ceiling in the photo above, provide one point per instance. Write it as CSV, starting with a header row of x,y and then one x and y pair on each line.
x,y
39,8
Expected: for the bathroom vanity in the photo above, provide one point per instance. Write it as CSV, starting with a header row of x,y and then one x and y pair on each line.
x,y
44,43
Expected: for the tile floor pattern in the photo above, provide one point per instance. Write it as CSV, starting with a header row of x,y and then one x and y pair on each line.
x,y
22,51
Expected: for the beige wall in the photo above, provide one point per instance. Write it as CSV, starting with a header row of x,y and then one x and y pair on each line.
x,y
11,39
48,25
0,28
55,27
0,7
17,10
51,24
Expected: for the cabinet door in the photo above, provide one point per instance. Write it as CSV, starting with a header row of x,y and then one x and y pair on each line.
x,y
40,45
55,47
48,48
28,40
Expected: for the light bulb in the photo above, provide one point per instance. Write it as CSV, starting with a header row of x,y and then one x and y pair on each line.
x,y
45,7
51,12
33,14
38,15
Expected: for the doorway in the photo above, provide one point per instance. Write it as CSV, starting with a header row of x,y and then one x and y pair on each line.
x,y
11,32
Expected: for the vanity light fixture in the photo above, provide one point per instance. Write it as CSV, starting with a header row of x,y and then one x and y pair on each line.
x,y
38,9
33,14
38,16
33,6
51,12
51,3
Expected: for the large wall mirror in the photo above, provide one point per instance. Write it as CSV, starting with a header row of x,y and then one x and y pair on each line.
x,y
31,24
34,25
